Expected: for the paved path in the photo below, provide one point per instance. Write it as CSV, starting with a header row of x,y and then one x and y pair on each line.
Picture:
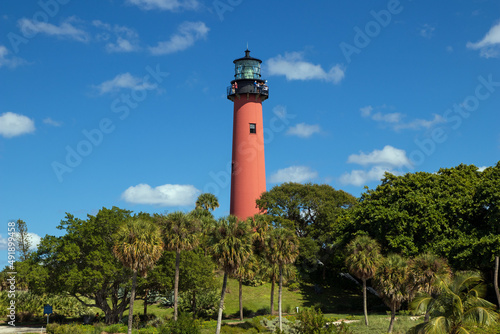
x,y
20,329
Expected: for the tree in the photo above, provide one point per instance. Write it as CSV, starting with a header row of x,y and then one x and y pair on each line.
x,y
207,201
81,263
247,270
181,233
282,249
22,239
138,246
488,197
230,245
270,272
460,304
363,259
393,284
426,270
423,212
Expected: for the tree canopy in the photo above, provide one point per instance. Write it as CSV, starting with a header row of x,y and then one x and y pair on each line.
x,y
448,213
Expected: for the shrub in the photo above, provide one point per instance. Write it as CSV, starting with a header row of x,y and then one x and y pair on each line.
x,y
295,286
184,325
273,325
312,321
116,328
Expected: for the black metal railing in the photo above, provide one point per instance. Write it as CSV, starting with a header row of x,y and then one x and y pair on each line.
x,y
262,90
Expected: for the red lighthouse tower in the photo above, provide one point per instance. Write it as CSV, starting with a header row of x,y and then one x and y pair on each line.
x,y
248,173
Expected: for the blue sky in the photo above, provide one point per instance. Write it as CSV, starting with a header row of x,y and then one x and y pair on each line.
x,y
122,102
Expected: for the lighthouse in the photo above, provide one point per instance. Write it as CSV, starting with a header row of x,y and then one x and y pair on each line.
x,y
248,174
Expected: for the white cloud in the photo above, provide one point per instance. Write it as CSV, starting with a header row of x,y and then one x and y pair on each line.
x,y
395,120
362,177
64,30
125,39
481,169
421,123
165,195
171,5
293,67
427,31
50,121
293,174
34,238
388,156
303,130
188,33
12,125
489,46
124,81
382,161
6,59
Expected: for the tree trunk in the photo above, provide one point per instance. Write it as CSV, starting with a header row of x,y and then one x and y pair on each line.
x,y
495,279
279,296
131,307
146,303
365,308
241,299
221,305
272,295
393,316
176,282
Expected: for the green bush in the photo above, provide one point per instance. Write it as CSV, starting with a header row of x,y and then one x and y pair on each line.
x,y
228,329
184,325
273,325
312,321
70,329
116,328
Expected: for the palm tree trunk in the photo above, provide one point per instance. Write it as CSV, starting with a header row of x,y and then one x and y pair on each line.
x,y
279,296
176,282
131,307
272,295
146,303
495,279
241,299
393,316
221,305
365,308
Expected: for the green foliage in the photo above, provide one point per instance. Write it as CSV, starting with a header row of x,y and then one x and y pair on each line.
x,y
451,213
82,263
272,323
184,325
73,329
30,305
314,212
203,303
312,321
459,304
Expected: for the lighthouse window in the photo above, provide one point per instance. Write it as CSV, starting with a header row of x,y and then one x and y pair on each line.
x,y
253,128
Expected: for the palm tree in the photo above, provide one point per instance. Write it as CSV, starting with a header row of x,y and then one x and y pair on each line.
x,y
181,233
207,201
425,270
246,271
270,271
393,283
230,245
138,246
362,261
282,249
459,304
